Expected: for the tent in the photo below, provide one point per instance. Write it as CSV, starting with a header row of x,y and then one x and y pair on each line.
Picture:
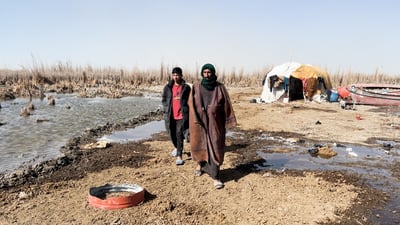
x,y
293,81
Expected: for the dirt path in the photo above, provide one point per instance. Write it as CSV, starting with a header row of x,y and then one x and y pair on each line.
x,y
175,196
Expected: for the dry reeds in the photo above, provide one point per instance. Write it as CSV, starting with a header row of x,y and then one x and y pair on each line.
x,y
66,78
342,79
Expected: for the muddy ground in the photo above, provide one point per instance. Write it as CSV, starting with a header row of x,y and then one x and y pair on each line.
x,y
56,192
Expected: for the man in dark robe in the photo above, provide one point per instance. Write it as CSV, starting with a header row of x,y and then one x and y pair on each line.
x,y
210,114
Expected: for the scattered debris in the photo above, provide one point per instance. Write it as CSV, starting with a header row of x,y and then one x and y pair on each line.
x,y
42,120
351,153
387,147
24,112
322,151
51,99
23,195
98,145
253,100
326,152
31,107
313,151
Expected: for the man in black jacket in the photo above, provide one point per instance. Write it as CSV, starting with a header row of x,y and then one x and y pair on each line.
x,y
176,111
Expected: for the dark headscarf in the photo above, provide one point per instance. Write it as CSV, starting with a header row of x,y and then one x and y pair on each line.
x,y
211,82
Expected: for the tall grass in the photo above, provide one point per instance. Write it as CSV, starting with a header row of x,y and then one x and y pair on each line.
x,y
346,78
69,78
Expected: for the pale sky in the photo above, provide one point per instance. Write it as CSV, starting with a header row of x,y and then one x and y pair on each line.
x,y
251,35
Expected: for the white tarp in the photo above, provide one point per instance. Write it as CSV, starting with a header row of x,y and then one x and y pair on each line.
x,y
284,70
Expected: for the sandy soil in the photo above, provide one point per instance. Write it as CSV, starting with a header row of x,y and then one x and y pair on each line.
x,y
175,196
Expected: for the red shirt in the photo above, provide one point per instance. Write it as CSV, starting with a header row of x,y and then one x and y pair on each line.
x,y
176,102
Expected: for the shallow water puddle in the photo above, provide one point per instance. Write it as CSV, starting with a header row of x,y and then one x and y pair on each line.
x,y
375,164
357,159
135,134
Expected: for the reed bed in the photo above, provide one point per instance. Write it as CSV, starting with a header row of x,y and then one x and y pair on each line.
x,y
345,78
64,77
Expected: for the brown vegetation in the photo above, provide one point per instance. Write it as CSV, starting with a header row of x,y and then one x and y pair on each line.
x,y
88,81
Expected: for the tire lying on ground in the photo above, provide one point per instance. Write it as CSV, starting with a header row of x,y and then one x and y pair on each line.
x,y
116,196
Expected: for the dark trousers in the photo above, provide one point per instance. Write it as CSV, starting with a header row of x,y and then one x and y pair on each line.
x,y
177,135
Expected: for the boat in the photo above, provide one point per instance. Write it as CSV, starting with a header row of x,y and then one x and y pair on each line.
x,y
374,94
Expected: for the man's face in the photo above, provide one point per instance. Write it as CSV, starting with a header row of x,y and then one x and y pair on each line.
x,y
207,73
177,78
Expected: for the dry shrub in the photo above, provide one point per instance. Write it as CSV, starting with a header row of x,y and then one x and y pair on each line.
x,y
63,77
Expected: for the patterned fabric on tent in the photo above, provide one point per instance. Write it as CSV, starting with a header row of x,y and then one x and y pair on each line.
x,y
308,71
295,80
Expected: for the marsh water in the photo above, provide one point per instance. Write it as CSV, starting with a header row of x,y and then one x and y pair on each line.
x,y
40,136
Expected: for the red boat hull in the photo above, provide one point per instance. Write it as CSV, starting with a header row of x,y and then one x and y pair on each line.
x,y
374,94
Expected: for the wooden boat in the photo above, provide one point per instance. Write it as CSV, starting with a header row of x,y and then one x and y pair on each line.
x,y
374,94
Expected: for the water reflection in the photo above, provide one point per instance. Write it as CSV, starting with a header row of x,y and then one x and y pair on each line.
x,y
358,159
24,138
135,134
375,164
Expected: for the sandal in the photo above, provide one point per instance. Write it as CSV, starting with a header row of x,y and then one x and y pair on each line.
x,y
218,184
198,173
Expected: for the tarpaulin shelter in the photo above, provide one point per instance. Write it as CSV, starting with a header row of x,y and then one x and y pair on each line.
x,y
293,80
